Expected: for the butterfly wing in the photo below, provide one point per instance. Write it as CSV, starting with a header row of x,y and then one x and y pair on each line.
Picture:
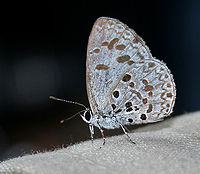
x,y
112,49
123,76
146,93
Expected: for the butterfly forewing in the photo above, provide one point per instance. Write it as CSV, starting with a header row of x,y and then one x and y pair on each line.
x,y
111,49
123,76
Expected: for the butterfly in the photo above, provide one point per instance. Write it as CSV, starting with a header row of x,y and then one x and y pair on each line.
x,y
126,85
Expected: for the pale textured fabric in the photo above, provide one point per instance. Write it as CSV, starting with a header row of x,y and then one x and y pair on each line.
x,y
171,146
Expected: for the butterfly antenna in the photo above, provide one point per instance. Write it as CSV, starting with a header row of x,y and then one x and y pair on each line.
x,y
68,101
62,121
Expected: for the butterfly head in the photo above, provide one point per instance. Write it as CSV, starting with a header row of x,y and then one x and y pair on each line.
x,y
87,113
87,116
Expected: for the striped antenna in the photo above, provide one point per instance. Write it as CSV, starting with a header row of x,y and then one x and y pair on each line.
x,y
68,101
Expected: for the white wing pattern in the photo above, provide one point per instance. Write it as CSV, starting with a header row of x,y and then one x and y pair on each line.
x,y
123,76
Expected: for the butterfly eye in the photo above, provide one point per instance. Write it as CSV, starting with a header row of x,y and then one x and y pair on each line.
x,y
87,116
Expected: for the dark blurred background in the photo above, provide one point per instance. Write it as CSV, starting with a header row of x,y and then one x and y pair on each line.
x,y
43,52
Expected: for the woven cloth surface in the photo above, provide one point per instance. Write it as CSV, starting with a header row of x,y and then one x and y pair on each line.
x,y
170,146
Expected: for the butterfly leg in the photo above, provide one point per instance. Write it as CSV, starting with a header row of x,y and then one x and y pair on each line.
x,y
102,133
91,127
124,130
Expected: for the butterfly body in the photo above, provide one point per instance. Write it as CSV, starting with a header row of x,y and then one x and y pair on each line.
x,y
105,121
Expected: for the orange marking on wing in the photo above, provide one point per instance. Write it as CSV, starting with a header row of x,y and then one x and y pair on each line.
x,y
96,50
122,59
112,42
120,47
102,67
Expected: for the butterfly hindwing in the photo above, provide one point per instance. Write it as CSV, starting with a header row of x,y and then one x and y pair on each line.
x,y
144,93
